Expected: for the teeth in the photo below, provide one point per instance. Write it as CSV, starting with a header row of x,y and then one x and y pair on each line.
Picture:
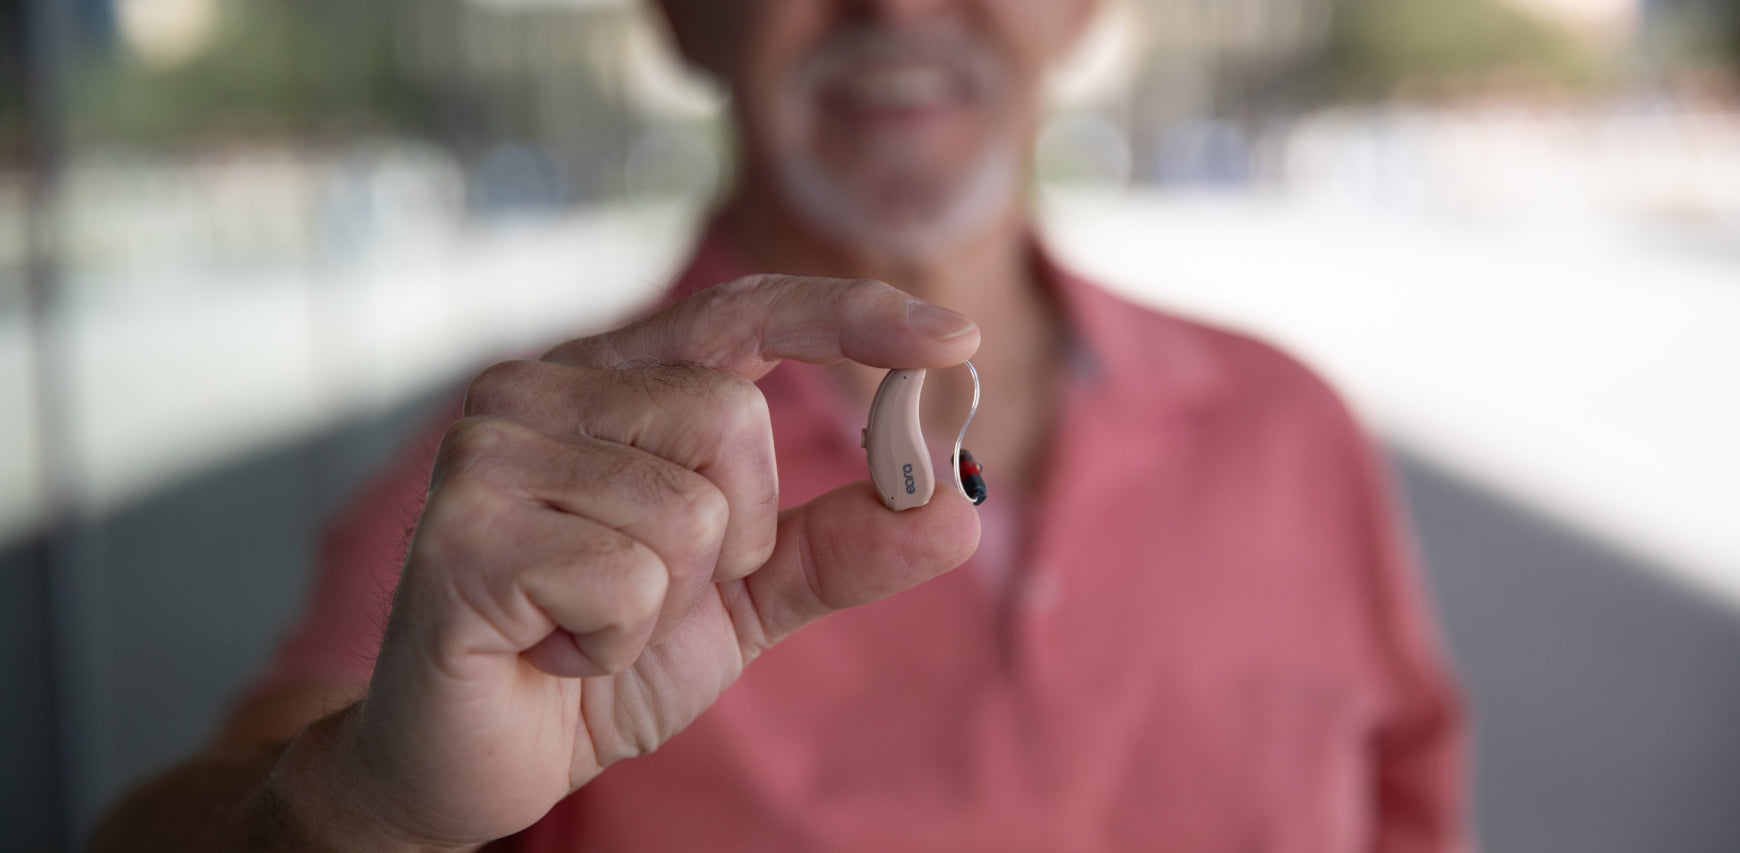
x,y
900,88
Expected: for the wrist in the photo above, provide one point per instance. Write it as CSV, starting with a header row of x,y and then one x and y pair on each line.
x,y
317,798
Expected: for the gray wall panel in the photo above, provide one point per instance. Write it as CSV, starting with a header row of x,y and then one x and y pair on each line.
x,y
1606,699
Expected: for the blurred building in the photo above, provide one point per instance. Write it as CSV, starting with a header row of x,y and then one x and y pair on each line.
x,y
1208,74
1606,19
529,93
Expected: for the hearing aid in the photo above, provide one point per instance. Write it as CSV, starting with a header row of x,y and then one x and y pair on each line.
x,y
900,466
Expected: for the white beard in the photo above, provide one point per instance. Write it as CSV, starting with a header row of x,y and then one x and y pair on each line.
x,y
846,213
888,206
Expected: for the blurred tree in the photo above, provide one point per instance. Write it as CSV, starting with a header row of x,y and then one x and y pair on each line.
x,y
469,77
11,78
1691,36
1378,46
1729,21
1734,40
273,66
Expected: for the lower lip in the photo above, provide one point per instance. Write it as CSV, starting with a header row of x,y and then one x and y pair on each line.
x,y
870,117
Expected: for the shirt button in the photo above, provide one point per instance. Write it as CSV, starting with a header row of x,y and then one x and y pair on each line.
x,y
1042,593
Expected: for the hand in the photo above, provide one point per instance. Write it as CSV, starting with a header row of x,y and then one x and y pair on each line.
x,y
602,552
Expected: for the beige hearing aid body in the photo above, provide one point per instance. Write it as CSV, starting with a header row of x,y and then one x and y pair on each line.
x,y
894,442
900,466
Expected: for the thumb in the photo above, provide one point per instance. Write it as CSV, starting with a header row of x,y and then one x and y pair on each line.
x,y
845,548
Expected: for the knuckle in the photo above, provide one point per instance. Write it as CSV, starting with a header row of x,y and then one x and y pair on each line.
x,y
470,431
720,293
636,589
734,408
473,439
577,351
864,291
704,512
497,386
728,405
453,519
871,294
742,404
710,313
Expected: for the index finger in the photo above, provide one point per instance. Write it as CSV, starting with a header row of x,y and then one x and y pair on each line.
x,y
748,326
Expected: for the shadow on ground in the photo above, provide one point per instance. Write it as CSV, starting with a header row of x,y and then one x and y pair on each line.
x,y
1606,698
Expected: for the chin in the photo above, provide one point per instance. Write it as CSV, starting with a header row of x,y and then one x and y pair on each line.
x,y
908,219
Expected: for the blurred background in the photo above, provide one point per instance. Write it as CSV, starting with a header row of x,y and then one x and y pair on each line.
x,y
246,245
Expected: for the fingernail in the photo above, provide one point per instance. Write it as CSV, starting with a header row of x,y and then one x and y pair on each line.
x,y
937,322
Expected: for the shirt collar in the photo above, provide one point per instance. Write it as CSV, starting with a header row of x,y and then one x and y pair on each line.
x,y
1153,363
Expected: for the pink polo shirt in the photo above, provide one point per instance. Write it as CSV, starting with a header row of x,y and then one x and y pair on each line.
x,y
1205,634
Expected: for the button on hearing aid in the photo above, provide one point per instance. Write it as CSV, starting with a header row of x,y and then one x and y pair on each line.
x,y
900,465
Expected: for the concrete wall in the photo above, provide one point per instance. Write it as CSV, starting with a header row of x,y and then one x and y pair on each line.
x,y
1606,700
123,638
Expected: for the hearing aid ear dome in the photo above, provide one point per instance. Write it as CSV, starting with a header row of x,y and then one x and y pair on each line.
x,y
971,477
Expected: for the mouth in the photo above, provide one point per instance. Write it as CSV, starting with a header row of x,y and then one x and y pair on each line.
x,y
896,91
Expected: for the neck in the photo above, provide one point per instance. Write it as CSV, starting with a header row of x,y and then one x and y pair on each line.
x,y
986,268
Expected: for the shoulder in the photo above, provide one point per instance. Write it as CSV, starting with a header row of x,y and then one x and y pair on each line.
x,y
1226,374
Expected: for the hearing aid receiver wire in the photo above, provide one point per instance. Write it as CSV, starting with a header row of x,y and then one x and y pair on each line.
x,y
955,461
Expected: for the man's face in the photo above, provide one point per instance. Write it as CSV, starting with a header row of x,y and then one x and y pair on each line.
x,y
897,126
